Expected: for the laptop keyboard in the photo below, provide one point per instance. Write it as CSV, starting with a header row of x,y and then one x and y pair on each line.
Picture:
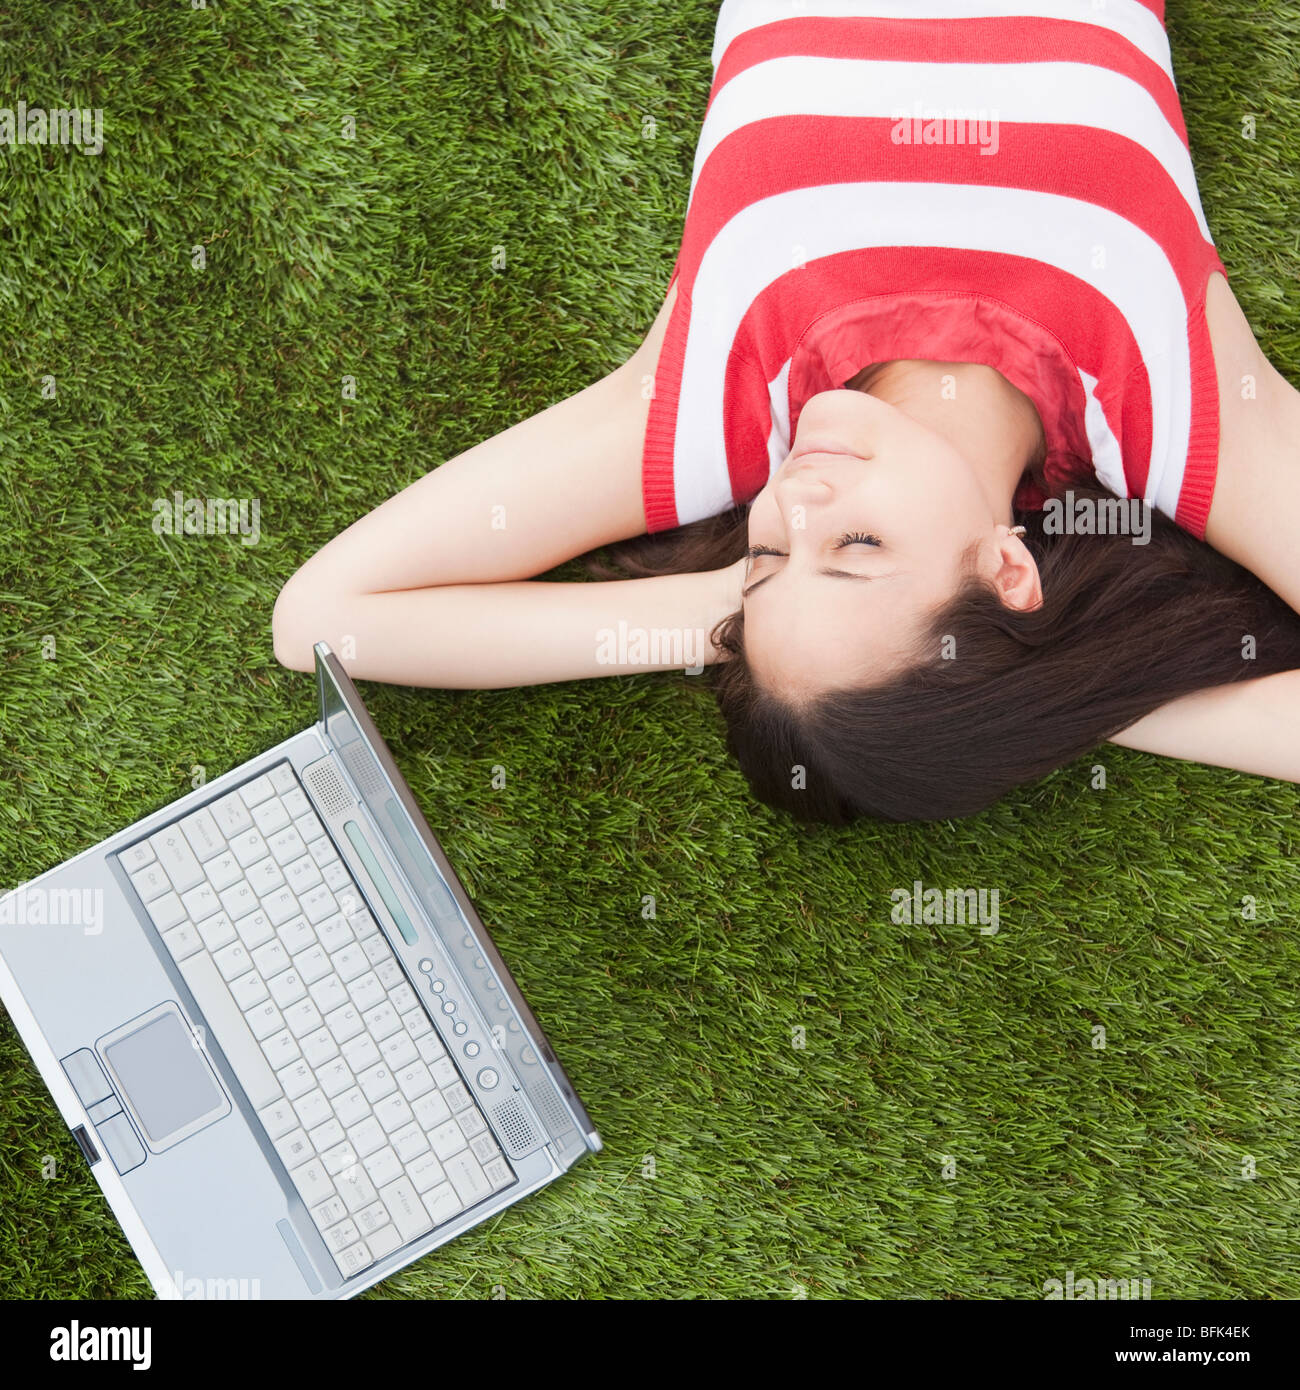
x,y
315,1014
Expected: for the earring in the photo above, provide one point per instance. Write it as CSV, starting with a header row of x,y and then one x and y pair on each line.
x,y
1017,530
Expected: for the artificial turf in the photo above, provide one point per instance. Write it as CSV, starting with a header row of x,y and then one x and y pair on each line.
x,y
949,1129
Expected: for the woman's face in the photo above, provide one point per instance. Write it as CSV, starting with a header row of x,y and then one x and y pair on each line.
x,y
867,522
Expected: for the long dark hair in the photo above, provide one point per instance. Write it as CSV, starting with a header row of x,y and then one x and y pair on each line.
x,y
1122,629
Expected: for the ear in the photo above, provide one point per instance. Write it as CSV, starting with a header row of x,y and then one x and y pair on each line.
x,y
1016,576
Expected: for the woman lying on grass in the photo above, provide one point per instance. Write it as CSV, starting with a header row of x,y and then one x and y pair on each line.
x,y
876,441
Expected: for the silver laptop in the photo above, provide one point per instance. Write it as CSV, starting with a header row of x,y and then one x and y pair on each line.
x,y
282,1037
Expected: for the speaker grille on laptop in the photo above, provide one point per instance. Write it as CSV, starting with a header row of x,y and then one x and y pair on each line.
x,y
326,787
515,1127
547,1104
363,767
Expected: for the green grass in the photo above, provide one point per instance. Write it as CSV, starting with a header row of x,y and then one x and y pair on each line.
x,y
776,1168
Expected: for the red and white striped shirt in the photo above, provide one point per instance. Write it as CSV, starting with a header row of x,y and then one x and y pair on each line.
x,y
1061,242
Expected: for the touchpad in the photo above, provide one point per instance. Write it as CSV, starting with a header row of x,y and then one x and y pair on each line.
x,y
163,1076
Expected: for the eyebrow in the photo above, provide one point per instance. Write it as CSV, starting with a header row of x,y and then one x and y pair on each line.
x,y
834,574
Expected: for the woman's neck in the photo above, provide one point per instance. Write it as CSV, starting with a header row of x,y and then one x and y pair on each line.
x,y
975,408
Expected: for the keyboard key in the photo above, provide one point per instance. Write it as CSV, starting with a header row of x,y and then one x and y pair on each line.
x,y
377,1083
297,1079
270,816
239,900
402,998
319,1047
370,1219
183,940
233,961
366,992
318,904
264,1020
426,1172
336,875
201,902
355,1188
367,1137
430,1110
295,802
381,1021
406,1208
249,990
340,1157
313,964
353,1260
376,949
271,958
344,1023
313,1109
248,847
466,1175
278,1119
205,839
447,1140
339,1237
363,924
301,874
498,1173
398,1050
312,830
254,929
334,932
456,1096
151,883
413,1079
287,988
280,905
312,1181
280,1049
137,856
223,871
383,1167
296,935
334,1077
286,845
471,1122
282,778
330,1212
409,1142
265,876
294,1147
229,1030
443,1070
328,1136
256,791
231,815
302,1018
360,1052
218,931
351,1107
442,1204
389,973
351,963
483,1146
416,1022
430,1048
329,994
177,858
393,1112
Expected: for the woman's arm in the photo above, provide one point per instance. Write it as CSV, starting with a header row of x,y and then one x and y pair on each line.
x,y
424,590
1250,726
486,636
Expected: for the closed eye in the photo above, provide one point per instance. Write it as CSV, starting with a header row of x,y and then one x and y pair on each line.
x,y
848,538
